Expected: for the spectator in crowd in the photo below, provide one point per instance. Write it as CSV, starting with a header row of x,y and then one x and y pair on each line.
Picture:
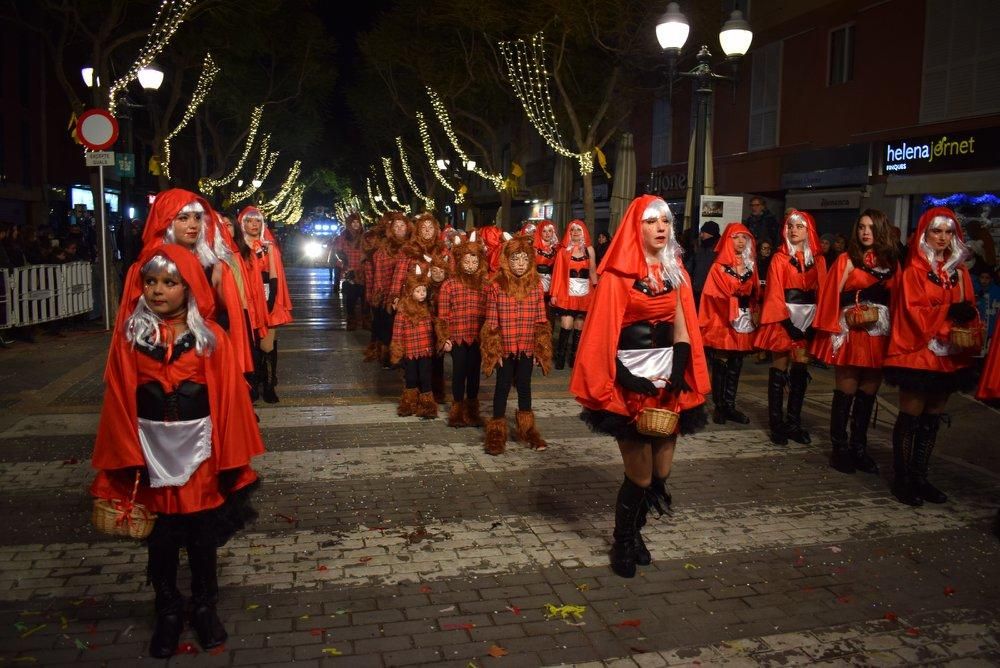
x,y
988,299
897,238
16,256
762,223
5,261
601,247
980,242
700,259
825,243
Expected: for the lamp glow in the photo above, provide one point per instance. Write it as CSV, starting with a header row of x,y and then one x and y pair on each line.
x,y
150,77
735,36
672,31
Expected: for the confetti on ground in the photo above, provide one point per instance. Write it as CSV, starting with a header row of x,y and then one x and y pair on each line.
x,y
839,570
913,632
253,606
332,651
321,567
890,616
691,567
583,587
846,598
216,651
497,651
364,560
186,648
564,611
287,518
835,549
316,632
342,611
516,610
634,623
34,630
949,591
450,608
63,622
456,627
80,644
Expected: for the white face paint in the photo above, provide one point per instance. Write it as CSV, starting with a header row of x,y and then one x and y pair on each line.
x,y
519,263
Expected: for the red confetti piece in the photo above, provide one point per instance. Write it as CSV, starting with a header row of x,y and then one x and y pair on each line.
x,y
634,623
890,616
801,561
516,610
807,589
846,598
316,632
426,590
71,460
216,651
290,520
186,648
322,567
839,570
364,560
455,627
949,591
913,632
497,651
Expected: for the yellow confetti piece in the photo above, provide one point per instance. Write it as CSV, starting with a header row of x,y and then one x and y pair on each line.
x,y
564,611
63,622
332,651
691,567
253,606
24,659
31,631
304,617
30,613
583,587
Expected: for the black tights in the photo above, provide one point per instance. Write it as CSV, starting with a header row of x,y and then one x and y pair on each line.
x,y
466,361
352,293
382,322
516,369
417,373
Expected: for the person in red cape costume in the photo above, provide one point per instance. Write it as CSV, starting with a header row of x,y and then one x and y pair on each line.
x,y
182,217
794,282
176,416
729,300
492,238
989,383
574,274
546,245
261,253
927,358
861,280
641,348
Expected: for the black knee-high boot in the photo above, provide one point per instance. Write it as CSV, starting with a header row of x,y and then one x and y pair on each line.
x,y
903,435
840,411
202,558
628,507
776,380
733,369
573,345
164,556
798,379
923,445
559,358
271,375
718,385
864,404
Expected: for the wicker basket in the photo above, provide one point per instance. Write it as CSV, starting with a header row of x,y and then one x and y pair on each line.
x,y
860,316
755,317
967,338
800,355
657,422
124,518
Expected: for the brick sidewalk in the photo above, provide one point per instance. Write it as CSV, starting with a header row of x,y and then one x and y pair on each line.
x,y
389,541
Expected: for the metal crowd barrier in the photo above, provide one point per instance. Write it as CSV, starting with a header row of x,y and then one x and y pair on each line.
x,y
44,292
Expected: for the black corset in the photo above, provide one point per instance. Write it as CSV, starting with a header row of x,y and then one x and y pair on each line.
x,y
579,273
644,335
796,296
189,401
876,294
544,269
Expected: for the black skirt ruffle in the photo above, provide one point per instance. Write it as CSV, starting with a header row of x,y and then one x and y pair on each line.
x,y
216,525
622,427
568,312
936,382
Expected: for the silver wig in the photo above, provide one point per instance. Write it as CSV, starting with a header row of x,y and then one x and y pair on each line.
x,y
144,325
959,252
748,253
807,251
670,255
201,248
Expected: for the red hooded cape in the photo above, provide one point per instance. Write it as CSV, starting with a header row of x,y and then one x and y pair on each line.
x,y
253,289
235,436
593,381
491,237
719,298
920,305
282,311
561,268
989,383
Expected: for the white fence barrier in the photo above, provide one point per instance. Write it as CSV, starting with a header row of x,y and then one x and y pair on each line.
x,y
43,292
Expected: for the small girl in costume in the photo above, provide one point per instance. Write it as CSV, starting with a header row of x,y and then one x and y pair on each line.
x,y
177,417
413,347
573,275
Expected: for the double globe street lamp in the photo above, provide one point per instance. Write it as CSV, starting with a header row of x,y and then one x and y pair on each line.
x,y
735,38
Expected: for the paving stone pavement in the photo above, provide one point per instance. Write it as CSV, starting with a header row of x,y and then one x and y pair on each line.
x,y
387,541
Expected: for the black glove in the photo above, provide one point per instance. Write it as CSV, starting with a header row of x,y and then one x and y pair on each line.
x,y
682,358
272,293
962,313
631,382
794,332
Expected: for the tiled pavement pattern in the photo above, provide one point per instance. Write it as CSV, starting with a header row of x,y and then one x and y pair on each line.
x,y
386,541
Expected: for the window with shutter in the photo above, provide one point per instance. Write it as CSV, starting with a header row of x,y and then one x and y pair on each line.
x,y
765,90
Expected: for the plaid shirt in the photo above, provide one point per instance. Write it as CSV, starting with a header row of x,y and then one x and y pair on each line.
x,y
383,264
463,309
416,338
515,319
352,253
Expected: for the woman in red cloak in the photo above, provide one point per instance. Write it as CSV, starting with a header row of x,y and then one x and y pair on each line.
x,y
860,280
927,359
260,251
574,274
640,349
989,383
730,297
794,281
546,245
176,418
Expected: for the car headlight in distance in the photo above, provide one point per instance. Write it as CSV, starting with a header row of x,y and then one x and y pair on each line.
x,y
313,250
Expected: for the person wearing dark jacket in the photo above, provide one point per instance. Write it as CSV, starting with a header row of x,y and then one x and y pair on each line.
x,y
762,223
701,258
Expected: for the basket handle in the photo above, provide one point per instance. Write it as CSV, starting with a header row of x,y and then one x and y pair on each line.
x,y
125,509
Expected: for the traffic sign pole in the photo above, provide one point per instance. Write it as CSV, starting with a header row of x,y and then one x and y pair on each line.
x,y
102,220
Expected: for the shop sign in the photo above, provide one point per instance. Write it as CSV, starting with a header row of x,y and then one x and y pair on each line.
x,y
975,149
663,182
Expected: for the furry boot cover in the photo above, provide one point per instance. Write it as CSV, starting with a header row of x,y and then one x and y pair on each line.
x,y
527,432
408,402
456,414
496,436
427,408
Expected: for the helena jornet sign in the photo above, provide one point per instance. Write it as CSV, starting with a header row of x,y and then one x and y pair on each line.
x,y
978,149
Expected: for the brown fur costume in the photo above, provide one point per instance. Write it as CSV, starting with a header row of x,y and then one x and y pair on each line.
x,y
410,309
473,281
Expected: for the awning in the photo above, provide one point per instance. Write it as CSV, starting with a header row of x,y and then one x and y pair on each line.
x,y
808,200
940,184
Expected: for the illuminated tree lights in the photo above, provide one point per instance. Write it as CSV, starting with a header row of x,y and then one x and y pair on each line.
x,y
442,114
391,180
209,70
425,140
265,163
207,185
428,201
287,187
525,66
168,19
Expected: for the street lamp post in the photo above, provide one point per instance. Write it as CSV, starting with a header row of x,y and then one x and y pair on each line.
x,y
735,38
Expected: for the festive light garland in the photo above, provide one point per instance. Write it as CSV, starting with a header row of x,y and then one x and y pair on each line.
x,y
428,201
425,139
379,197
390,178
168,19
265,163
291,212
207,185
371,198
286,189
445,119
527,74
209,70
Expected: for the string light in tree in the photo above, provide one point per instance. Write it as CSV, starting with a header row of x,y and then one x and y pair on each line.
x,y
207,185
209,70
168,19
291,211
425,140
265,163
379,197
525,66
428,201
390,178
445,119
284,190
371,197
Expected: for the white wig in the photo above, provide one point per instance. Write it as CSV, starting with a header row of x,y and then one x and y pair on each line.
x,y
144,325
669,255
958,251
807,250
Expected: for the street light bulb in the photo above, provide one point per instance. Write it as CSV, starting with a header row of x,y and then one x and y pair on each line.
x,y
443,163
88,76
470,165
673,28
150,77
256,183
735,36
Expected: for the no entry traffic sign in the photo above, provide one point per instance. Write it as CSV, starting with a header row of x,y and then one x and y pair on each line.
x,y
97,129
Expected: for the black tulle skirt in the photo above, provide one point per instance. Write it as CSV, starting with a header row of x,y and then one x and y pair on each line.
x,y
216,525
622,427
933,382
